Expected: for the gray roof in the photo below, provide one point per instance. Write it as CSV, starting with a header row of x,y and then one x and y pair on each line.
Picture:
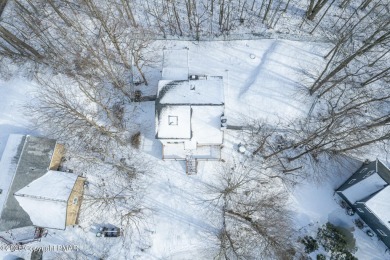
x,y
34,156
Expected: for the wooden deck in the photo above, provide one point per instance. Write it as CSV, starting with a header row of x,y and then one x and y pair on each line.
x,y
56,158
74,202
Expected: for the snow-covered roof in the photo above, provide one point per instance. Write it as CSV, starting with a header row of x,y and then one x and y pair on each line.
x,y
206,124
53,185
33,156
379,204
190,109
45,199
206,91
201,124
364,188
174,122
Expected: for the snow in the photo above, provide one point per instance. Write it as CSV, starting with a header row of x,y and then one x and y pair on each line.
x,y
167,127
206,124
315,204
53,185
202,91
45,199
184,110
8,166
364,188
14,95
260,80
175,73
175,65
44,213
260,87
182,228
380,205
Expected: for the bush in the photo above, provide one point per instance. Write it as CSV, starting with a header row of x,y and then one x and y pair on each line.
x,y
137,95
337,240
321,257
136,140
310,243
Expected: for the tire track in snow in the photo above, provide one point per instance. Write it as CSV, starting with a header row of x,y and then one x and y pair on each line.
x,y
253,76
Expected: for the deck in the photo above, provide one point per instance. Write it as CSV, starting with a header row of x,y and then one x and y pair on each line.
x,y
178,152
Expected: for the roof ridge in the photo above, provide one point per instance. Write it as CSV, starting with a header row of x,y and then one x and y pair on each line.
x,y
38,197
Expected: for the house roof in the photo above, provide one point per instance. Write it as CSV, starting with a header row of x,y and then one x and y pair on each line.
x,y
371,189
379,204
207,91
364,188
174,122
206,124
34,157
197,106
188,108
45,199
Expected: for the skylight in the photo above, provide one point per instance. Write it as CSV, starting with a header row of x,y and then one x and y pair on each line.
x,y
172,120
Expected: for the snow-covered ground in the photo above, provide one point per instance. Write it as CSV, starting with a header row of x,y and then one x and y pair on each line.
x,y
262,80
14,94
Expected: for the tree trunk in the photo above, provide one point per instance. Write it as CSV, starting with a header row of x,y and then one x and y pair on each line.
x,y
314,8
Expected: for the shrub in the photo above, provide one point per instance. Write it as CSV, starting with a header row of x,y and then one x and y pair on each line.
x,y
310,243
321,257
339,241
136,140
137,95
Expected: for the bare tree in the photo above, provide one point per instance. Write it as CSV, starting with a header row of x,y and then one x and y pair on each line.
x,y
314,8
255,221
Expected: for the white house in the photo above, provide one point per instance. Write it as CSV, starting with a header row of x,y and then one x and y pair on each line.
x,y
34,195
45,200
190,117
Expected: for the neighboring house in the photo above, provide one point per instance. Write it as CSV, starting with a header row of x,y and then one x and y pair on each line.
x,y
36,196
189,115
367,192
